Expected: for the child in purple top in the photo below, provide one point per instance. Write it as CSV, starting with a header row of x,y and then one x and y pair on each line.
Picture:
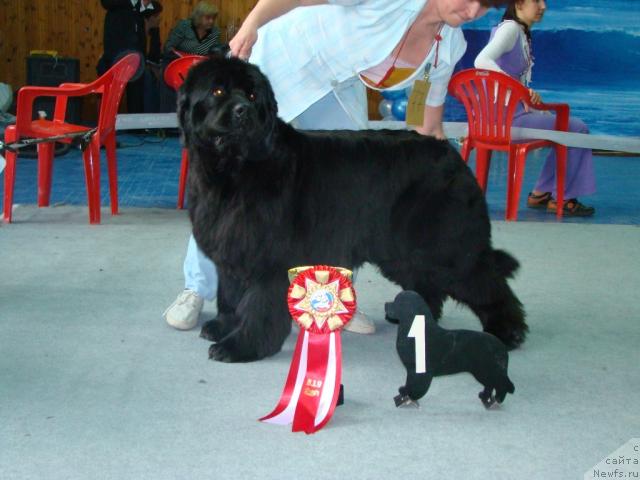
x,y
509,51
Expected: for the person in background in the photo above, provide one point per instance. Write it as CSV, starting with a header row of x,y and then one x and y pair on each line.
x,y
196,35
125,32
153,67
320,58
152,28
509,51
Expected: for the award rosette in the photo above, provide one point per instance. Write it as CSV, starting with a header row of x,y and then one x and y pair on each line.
x,y
321,300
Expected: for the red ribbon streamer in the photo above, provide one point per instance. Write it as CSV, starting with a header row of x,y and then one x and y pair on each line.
x,y
313,384
311,390
287,392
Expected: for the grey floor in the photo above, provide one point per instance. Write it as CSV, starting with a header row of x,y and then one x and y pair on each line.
x,y
94,384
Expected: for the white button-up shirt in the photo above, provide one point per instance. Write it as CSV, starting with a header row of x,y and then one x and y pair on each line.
x,y
314,50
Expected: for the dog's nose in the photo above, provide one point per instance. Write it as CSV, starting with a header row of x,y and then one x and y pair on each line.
x,y
239,111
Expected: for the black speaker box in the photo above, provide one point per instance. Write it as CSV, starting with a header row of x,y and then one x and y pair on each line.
x,y
48,71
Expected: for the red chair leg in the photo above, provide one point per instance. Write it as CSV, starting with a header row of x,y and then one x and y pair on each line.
x,y
483,162
10,135
516,174
88,178
112,166
45,172
95,165
89,175
511,167
184,168
561,171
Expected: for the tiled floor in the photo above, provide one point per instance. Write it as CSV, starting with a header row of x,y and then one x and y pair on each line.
x,y
148,168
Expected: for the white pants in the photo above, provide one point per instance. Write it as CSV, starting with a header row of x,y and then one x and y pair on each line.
x,y
200,273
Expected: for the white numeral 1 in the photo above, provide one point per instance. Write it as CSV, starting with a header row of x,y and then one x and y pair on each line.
x,y
417,332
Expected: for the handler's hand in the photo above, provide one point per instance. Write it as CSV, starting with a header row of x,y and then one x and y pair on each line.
x,y
435,131
243,41
432,123
535,97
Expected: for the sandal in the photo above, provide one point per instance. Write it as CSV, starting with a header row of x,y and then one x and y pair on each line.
x,y
572,208
539,201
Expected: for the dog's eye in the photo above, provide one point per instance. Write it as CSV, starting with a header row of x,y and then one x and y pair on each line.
x,y
252,97
218,92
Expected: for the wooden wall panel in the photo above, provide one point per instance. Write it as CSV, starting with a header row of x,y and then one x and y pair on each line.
x,y
74,29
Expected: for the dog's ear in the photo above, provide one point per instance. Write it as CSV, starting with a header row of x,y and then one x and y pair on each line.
x,y
269,97
268,104
264,89
220,51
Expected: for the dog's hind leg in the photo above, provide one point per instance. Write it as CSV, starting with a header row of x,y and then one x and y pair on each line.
x,y
497,307
262,323
485,290
504,319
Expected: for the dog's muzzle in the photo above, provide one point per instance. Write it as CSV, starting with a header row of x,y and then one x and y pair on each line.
x,y
239,112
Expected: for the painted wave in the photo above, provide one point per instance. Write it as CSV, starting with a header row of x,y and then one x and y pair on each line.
x,y
595,15
575,57
596,72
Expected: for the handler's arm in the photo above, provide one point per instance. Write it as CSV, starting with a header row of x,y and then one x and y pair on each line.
x,y
264,11
432,124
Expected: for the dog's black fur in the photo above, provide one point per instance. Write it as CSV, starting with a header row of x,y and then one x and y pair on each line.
x,y
264,197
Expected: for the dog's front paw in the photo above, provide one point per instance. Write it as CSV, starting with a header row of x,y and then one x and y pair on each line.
x,y
219,353
223,352
213,330
217,329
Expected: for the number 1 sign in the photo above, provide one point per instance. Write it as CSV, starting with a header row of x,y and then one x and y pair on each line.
x,y
428,350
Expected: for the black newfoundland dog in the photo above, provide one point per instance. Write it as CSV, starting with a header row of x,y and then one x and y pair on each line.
x,y
264,197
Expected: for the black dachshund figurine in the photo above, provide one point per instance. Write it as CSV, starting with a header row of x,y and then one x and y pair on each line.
x,y
445,352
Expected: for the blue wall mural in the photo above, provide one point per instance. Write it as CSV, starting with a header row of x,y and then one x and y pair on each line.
x,y
587,54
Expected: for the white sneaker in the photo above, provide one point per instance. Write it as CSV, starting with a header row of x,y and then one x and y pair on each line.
x,y
360,324
183,313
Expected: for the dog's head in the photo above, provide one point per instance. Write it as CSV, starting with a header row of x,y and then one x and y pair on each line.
x,y
227,106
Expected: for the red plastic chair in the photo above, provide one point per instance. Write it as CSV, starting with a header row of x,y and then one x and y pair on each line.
x,y
110,86
490,100
174,76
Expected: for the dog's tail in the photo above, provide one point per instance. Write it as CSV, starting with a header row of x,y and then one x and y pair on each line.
x,y
505,263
